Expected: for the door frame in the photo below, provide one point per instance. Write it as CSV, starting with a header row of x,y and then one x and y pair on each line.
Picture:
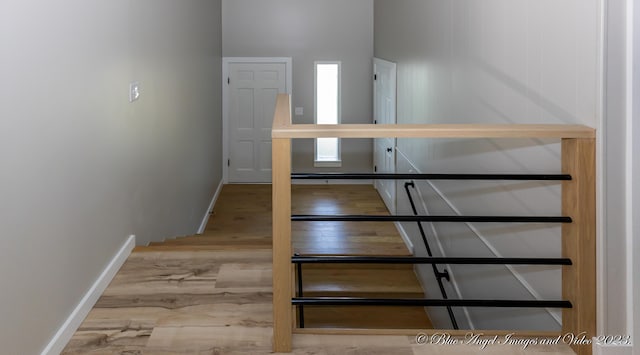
x,y
394,80
226,63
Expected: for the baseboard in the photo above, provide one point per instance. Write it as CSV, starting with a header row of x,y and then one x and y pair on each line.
x,y
205,219
611,349
75,319
332,182
405,237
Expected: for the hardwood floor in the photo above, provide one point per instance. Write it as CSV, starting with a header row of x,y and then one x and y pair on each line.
x,y
211,294
343,238
242,219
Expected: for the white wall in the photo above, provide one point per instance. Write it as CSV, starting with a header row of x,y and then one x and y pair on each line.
x,y
177,58
498,61
619,310
614,196
633,175
310,30
81,168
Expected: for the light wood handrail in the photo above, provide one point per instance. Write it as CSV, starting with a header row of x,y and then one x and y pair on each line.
x,y
578,202
283,128
433,131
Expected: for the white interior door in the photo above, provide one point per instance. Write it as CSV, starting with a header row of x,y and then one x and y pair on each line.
x,y
384,112
253,89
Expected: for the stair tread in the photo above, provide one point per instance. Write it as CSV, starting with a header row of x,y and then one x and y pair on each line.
x,y
233,240
356,294
348,247
339,280
357,266
156,248
366,317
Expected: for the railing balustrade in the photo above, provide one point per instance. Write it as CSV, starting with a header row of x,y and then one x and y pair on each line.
x,y
578,225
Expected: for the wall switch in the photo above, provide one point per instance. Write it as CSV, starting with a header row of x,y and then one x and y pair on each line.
x,y
299,111
134,91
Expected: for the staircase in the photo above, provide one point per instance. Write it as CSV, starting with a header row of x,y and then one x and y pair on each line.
x,y
242,220
355,239
212,293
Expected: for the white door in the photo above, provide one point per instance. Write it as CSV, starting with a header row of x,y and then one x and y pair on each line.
x,y
384,112
253,89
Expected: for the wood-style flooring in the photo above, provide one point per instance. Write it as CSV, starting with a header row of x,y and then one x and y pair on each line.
x,y
211,294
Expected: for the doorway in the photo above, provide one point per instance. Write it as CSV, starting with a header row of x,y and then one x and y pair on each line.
x,y
250,89
384,112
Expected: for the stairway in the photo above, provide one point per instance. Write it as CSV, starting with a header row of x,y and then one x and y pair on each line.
x,y
242,220
212,293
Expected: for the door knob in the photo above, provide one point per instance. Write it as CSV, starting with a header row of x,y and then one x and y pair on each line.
x,y
389,150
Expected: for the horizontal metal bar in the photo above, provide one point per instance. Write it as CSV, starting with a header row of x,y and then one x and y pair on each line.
x,y
381,176
427,260
483,219
354,301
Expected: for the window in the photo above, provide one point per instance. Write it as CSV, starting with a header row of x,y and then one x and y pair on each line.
x,y
327,111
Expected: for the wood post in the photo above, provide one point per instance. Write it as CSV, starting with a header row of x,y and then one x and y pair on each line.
x,y
579,242
282,252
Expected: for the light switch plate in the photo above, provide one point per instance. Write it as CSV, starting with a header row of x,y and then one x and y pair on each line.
x,y
299,111
134,91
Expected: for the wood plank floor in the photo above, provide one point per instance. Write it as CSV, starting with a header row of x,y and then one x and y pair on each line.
x,y
211,294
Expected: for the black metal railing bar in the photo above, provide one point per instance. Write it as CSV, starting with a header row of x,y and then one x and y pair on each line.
x,y
406,218
385,176
427,260
355,301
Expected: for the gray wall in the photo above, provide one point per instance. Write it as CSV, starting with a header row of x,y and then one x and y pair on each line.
x,y
633,306
502,61
614,196
621,282
310,30
81,168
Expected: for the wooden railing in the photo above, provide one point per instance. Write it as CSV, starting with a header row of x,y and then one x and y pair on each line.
x,y
578,202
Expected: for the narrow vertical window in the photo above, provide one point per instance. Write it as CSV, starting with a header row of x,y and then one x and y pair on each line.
x,y
327,111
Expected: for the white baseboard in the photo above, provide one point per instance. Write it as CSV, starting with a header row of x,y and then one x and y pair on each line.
x,y
611,349
332,182
75,319
405,237
205,219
